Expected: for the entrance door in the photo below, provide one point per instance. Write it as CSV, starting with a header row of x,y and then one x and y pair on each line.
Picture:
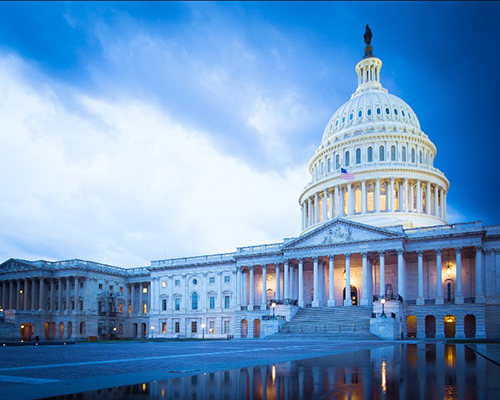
x,y
26,331
354,295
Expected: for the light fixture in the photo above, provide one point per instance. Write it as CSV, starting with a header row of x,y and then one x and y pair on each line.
x,y
203,330
273,306
21,291
448,270
343,274
449,319
382,301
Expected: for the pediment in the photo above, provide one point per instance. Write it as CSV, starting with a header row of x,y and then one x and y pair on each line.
x,y
15,265
341,231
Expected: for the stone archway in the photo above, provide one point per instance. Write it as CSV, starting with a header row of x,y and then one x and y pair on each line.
x,y
244,328
134,330
430,326
26,331
470,326
144,331
61,330
354,295
449,326
411,326
69,329
256,328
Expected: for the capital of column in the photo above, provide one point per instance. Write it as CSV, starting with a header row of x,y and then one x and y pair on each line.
x,y
420,252
347,255
459,249
479,248
364,254
438,251
400,252
315,258
382,252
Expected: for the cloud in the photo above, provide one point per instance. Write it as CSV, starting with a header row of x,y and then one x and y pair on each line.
x,y
123,182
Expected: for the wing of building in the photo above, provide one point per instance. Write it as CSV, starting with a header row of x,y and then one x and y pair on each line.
x,y
373,221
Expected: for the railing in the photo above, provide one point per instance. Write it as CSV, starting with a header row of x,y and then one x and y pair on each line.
x,y
393,297
194,260
271,318
260,248
287,302
469,300
443,228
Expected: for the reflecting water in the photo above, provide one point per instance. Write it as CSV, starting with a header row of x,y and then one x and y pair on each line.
x,y
411,371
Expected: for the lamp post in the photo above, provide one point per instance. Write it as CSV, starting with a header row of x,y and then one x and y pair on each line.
x,y
382,301
114,333
203,331
152,331
273,306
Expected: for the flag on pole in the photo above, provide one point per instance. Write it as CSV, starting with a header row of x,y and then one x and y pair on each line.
x,y
344,174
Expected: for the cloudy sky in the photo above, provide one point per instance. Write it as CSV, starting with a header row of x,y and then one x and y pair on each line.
x,y
137,131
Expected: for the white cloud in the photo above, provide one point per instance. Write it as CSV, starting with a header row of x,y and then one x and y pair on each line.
x,y
122,181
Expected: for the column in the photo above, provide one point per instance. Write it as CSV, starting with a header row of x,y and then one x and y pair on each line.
x,y
377,194
406,197
331,286
419,196
41,302
152,292
77,293
439,278
479,275
363,196
286,283
325,204
332,215
347,298
316,208
436,201
459,298
391,195
59,294
18,295
401,275
33,295
309,212
238,288
441,211
444,205
349,199
428,199
337,201
291,280
26,293
412,204
301,282
52,295
68,293
4,297
302,209
278,294
320,282
420,295
364,298
382,273
315,302
252,289
264,287
132,298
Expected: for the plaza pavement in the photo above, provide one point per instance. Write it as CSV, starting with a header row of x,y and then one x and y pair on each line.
x,y
33,372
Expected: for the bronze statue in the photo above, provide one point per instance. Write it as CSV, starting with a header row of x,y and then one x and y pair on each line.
x,y
368,35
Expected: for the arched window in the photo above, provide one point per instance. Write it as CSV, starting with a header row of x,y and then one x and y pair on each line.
x,y
347,159
357,202
383,198
420,160
403,154
337,162
370,199
412,155
322,168
194,301
381,152
329,165
358,156
370,154
393,153
396,197
346,209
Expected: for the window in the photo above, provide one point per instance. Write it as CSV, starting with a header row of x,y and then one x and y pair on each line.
x,y
100,286
194,326
144,289
120,308
412,155
387,111
350,116
345,202
378,111
343,119
360,113
393,153
403,112
357,204
177,282
420,160
227,301
211,326
130,308
381,153
212,280
358,156
227,279
164,304
177,303
145,308
370,154
111,288
81,285
177,327
163,327
403,154
194,301
322,168
227,326
212,302
337,162
395,111
163,283
329,165
383,199
347,158
195,281
370,199
369,112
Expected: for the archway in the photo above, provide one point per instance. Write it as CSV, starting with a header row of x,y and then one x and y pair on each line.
x,y
26,331
61,330
82,329
449,326
411,326
244,328
449,290
134,330
46,330
256,328
269,295
470,326
430,326
69,329
354,295
143,330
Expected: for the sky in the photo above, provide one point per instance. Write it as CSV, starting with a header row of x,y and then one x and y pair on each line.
x,y
139,131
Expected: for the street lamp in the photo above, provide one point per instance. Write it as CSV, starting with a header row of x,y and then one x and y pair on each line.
x,y
152,331
273,306
382,301
203,331
114,332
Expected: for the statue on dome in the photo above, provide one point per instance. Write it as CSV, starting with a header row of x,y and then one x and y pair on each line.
x,y
368,35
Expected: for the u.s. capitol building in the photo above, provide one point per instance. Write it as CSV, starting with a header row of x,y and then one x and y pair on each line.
x,y
373,221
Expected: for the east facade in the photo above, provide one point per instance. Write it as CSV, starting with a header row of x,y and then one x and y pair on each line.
x,y
374,235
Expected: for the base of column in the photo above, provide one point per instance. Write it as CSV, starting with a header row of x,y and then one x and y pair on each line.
x,y
263,306
347,303
250,307
420,301
440,336
315,303
439,300
459,299
480,299
331,303
365,302
300,304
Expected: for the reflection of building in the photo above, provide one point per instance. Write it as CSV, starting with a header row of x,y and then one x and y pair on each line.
x,y
379,230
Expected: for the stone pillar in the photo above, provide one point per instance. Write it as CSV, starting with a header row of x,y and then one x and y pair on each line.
x,y
459,298
382,274
18,295
286,283
292,282
4,297
377,195
315,302
332,214
77,294
26,293
238,288
301,283
252,289
347,298
132,298
325,204
459,327
264,287
364,298
316,208
440,327
337,201
302,209
436,201
420,295
331,286
391,195
401,275
479,275
68,294
309,213
33,295
278,278
363,197
444,204
52,294
439,278
320,282
419,196
41,301
59,294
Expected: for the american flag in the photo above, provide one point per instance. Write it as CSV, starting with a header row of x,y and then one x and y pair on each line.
x,y
344,174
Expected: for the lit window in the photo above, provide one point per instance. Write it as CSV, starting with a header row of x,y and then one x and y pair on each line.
x,y
370,154
194,301
347,158
358,156
163,327
393,153
177,303
130,308
381,154
212,280
120,308
211,326
227,301
396,198
177,282
383,198
370,200
345,202
164,283
145,308
121,289
227,279
357,196
212,302
144,289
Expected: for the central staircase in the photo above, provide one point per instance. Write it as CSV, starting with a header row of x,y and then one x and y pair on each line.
x,y
335,323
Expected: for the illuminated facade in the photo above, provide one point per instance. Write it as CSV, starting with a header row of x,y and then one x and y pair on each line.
x,y
380,230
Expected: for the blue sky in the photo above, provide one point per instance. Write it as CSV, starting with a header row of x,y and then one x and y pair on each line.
x,y
134,131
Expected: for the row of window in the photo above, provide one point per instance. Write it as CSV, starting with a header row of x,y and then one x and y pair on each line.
x,y
176,328
195,302
378,113
211,281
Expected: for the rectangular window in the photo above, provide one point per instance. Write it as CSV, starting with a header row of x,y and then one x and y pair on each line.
x,y
177,282
120,308
111,288
370,202
211,326
177,327
194,326
227,279
81,285
100,286
212,302
177,303
121,289
227,327
164,304
144,289
346,202
227,301
130,308
164,283
212,280
163,327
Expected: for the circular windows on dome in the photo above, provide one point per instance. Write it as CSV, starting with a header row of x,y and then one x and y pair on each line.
x,y
351,116
343,119
387,111
403,112
360,113
395,111
336,123
378,111
195,281
369,112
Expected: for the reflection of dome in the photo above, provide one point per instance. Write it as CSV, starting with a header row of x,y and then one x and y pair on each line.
x,y
376,138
